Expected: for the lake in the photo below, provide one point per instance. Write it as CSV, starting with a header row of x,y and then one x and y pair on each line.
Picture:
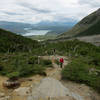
x,y
36,32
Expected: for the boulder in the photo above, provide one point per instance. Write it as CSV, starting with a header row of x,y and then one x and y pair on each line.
x,y
22,91
2,95
11,84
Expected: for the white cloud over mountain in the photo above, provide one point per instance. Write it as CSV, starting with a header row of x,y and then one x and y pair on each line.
x,y
34,11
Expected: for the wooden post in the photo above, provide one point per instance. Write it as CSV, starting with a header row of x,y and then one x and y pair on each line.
x,y
38,59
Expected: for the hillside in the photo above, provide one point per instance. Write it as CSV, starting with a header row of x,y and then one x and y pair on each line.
x,y
26,67
93,30
87,26
10,42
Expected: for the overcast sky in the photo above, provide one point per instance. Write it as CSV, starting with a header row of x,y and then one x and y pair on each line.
x,y
34,11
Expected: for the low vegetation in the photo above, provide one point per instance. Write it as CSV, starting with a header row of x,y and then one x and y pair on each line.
x,y
19,58
72,48
43,37
10,42
22,65
84,66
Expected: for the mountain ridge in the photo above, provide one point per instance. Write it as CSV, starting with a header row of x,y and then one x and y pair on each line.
x,y
22,28
82,27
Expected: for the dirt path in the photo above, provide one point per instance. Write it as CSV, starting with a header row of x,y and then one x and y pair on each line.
x,y
56,71
53,89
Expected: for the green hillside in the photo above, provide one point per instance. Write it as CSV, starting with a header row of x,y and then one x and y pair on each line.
x,y
19,62
87,26
18,56
93,30
10,42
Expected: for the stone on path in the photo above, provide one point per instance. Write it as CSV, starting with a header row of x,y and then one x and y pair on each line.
x,y
23,91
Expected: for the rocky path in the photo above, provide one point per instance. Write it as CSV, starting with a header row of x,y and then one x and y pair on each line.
x,y
52,89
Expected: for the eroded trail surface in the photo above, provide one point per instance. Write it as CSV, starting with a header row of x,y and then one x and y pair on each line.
x,y
52,87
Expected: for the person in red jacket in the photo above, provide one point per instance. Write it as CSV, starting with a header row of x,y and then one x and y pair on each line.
x,y
61,62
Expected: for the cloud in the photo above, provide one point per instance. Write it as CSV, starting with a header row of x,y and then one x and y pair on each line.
x,y
12,13
31,7
34,11
92,3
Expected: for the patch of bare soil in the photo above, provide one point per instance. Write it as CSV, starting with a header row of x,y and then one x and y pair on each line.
x,y
81,89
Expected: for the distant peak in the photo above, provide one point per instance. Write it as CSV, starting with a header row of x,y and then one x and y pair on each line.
x,y
98,11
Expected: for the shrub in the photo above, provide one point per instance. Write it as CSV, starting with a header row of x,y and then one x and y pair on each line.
x,y
96,59
46,63
13,75
33,60
21,65
75,71
38,69
79,71
57,62
1,67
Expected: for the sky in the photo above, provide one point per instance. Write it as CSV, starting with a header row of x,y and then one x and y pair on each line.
x,y
35,11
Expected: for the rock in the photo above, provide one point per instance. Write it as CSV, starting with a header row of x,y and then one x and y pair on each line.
x,y
5,98
11,84
30,80
23,91
2,95
83,85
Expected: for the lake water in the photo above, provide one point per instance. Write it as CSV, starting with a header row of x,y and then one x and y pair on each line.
x,y
36,32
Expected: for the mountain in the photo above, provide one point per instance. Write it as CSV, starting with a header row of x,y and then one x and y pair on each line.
x,y
22,28
89,25
15,27
10,42
57,23
56,27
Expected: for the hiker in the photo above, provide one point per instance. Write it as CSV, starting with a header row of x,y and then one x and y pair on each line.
x,y
61,62
54,51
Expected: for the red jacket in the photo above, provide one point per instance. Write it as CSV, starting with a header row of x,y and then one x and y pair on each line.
x,y
61,60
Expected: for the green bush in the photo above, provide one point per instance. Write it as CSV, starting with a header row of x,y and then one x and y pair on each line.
x,y
96,59
38,69
79,71
33,60
57,62
74,70
21,65
46,63
13,75
1,67
72,48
